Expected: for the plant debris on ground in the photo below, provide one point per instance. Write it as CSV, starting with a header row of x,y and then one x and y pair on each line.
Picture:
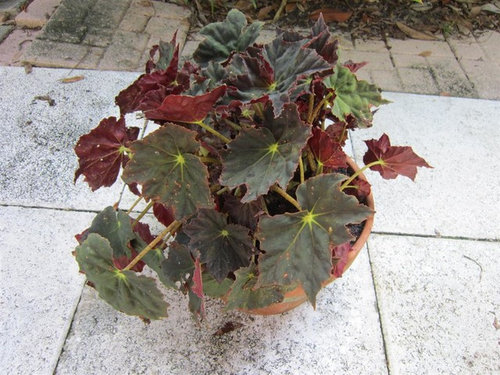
x,y
364,19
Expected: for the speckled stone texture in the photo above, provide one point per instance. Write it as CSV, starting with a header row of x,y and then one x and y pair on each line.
x,y
36,147
459,138
439,304
40,286
341,337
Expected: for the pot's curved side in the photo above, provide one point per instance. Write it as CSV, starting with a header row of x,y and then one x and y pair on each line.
x,y
298,296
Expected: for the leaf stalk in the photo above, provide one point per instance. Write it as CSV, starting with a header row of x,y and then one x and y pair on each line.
x,y
287,196
165,234
359,171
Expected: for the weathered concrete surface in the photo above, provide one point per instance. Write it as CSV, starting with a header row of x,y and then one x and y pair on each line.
x,y
38,162
40,286
37,13
439,304
459,138
341,337
123,30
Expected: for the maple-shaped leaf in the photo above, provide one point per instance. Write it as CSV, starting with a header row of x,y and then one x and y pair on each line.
x,y
179,265
124,290
321,41
165,164
223,247
326,151
186,108
245,214
163,214
168,55
224,38
353,96
245,295
261,157
115,226
297,245
279,72
396,160
102,152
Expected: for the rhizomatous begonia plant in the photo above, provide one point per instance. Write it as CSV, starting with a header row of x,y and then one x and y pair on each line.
x,y
246,171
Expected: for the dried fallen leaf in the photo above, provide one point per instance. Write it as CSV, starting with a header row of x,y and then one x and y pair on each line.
x,y
45,98
72,79
492,8
264,12
425,53
331,14
444,93
290,7
227,327
414,34
28,68
495,323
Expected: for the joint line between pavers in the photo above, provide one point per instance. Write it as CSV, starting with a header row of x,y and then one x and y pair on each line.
x,y
460,62
382,332
458,238
49,208
69,327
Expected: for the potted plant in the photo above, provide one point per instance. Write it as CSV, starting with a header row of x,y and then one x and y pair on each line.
x,y
246,171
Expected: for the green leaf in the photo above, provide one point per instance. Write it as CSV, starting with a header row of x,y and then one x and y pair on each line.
x,y
179,266
116,228
279,72
165,164
223,38
353,97
223,247
297,245
244,295
260,157
124,290
213,288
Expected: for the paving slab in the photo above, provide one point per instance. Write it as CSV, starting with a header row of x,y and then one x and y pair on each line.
x,y
485,76
342,336
459,138
36,148
15,44
41,286
439,304
37,13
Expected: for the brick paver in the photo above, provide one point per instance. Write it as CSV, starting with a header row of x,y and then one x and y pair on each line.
x,y
106,34
37,13
117,35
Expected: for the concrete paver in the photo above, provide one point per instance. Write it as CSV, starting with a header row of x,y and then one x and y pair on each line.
x,y
344,325
457,137
439,304
38,161
418,80
41,286
5,31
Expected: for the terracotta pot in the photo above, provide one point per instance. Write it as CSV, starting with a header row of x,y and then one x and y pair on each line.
x,y
297,296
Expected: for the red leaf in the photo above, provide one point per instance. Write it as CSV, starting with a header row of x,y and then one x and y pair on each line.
x,y
397,160
124,261
144,232
325,150
186,108
339,258
197,287
354,67
360,190
163,214
102,151
197,280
